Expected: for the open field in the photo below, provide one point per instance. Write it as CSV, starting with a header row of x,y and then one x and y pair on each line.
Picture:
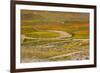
x,y
54,36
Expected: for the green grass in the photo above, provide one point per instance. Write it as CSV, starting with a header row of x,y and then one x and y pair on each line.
x,y
42,34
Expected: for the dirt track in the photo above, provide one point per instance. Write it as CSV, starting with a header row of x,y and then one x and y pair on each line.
x,y
62,35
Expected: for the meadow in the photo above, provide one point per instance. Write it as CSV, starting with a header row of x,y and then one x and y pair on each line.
x,y
54,36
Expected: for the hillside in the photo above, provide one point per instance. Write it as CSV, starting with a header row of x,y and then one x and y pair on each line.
x,y
54,36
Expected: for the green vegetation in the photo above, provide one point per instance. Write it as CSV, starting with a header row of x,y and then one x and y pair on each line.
x,y
40,43
42,34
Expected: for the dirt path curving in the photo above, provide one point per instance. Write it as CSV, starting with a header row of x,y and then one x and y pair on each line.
x,y
62,35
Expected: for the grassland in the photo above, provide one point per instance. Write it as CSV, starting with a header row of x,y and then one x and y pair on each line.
x,y
54,36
